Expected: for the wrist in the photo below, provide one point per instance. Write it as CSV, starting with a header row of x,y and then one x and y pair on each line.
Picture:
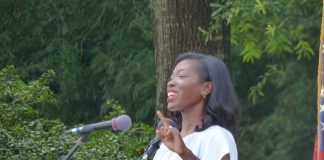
x,y
187,154
183,152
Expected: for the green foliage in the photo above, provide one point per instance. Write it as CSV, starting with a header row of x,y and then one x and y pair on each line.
x,y
275,138
303,49
270,27
123,145
274,68
24,135
109,145
17,97
110,109
273,72
99,49
285,128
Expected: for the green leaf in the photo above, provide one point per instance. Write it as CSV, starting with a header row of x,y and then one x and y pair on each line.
x,y
303,49
251,52
261,6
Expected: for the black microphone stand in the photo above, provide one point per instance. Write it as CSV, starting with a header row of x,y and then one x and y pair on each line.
x,y
151,149
83,139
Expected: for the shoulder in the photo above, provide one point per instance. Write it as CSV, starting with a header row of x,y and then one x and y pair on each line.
x,y
217,131
217,142
212,143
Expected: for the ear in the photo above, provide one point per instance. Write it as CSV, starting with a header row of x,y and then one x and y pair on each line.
x,y
206,88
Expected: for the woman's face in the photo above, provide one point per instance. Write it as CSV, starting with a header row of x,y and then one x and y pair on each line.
x,y
185,87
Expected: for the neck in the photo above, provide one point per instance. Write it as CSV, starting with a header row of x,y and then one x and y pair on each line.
x,y
191,118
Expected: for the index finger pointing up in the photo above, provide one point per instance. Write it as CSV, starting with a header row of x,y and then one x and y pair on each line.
x,y
164,121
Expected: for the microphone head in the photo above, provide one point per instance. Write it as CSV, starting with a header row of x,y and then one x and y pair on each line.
x,y
122,123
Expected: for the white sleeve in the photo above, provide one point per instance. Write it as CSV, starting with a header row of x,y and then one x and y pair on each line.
x,y
218,142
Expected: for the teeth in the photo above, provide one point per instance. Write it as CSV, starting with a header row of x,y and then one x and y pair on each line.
x,y
172,93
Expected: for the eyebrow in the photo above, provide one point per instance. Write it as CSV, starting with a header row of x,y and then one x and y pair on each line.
x,y
179,71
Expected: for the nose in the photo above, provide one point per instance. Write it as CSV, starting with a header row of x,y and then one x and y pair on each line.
x,y
171,83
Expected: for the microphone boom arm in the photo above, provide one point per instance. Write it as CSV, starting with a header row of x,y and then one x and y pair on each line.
x,y
83,139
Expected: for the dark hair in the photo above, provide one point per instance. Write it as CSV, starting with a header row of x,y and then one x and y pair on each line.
x,y
222,106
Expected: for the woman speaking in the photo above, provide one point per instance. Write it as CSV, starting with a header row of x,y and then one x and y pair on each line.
x,y
204,105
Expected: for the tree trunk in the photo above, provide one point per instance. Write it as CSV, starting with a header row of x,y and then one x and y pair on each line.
x,y
176,24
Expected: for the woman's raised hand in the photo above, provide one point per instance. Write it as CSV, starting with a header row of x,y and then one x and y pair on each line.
x,y
170,136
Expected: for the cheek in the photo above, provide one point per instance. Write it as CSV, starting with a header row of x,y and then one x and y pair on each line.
x,y
192,93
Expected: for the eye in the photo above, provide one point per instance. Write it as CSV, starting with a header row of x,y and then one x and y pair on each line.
x,y
182,76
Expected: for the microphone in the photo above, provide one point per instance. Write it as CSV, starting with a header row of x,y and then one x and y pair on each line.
x,y
155,142
121,123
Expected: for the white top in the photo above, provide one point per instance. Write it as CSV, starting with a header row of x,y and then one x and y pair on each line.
x,y
210,144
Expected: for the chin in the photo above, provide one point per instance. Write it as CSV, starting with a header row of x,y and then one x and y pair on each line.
x,y
172,108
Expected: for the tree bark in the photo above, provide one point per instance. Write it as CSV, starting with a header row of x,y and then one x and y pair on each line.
x,y
176,24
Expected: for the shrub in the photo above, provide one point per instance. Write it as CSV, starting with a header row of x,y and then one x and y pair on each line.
x,y
25,135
